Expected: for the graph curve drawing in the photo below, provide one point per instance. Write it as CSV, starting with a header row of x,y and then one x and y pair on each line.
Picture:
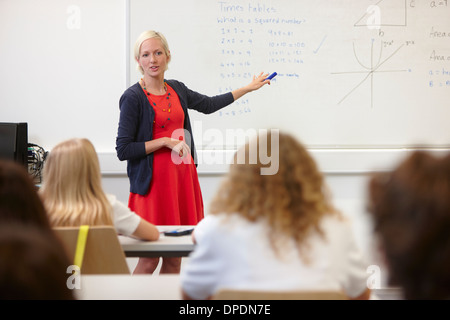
x,y
368,71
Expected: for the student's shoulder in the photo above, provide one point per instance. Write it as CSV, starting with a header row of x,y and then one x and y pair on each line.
x,y
111,198
209,226
208,222
116,204
222,223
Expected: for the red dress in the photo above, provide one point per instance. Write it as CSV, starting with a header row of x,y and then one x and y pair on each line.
x,y
174,196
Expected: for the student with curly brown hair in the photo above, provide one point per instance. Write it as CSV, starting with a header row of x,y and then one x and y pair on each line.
x,y
276,231
410,207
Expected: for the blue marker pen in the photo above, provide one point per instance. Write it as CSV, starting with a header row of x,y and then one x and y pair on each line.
x,y
271,76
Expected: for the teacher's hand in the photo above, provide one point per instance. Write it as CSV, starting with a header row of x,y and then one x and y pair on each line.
x,y
257,82
179,147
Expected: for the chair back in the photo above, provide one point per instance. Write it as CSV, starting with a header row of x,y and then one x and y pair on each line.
x,y
103,253
239,294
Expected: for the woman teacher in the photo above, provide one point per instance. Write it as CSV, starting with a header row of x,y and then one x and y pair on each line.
x,y
164,186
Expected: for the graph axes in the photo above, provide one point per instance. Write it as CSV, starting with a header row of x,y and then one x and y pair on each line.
x,y
369,71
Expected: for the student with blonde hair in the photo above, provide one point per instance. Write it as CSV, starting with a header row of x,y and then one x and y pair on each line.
x,y
73,195
277,231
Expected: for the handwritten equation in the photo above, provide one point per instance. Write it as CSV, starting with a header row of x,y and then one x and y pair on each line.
x,y
252,37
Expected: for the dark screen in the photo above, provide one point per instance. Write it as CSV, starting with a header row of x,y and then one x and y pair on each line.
x,y
14,142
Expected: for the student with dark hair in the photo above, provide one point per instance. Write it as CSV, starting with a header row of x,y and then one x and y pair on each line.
x,y
33,261
19,200
410,207
32,265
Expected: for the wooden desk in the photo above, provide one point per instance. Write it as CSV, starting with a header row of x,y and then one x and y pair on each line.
x,y
129,287
164,247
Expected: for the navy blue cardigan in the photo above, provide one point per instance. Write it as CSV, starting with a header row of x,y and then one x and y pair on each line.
x,y
136,127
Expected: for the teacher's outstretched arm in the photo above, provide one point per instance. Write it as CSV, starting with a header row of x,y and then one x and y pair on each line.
x,y
257,82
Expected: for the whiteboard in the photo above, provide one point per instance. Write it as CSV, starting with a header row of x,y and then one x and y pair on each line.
x,y
63,68
351,74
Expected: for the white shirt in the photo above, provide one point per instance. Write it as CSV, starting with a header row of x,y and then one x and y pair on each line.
x,y
125,220
235,253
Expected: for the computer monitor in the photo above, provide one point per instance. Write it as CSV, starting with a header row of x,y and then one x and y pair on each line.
x,y
14,142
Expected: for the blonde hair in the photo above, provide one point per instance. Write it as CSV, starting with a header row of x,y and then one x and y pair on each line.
x,y
150,34
72,189
292,201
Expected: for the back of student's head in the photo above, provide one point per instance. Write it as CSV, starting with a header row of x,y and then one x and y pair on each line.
x,y
292,196
72,187
411,213
32,265
19,200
